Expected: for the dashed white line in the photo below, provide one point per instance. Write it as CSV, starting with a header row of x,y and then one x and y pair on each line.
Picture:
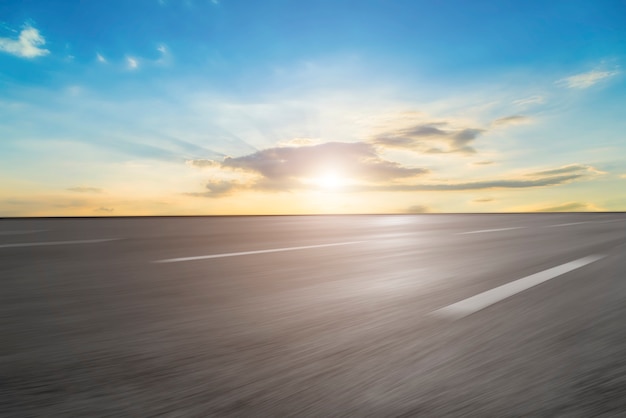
x,y
483,300
491,230
39,244
273,250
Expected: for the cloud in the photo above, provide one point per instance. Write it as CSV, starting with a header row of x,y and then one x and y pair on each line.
x,y
529,101
514,183
101,58
483,200
566,169
570,207
103,209
418,209
132,63
511,120
358,160
27,45
551,177
84,189
483,163
359,167
430,138
202,163
288,168
220,188
586,80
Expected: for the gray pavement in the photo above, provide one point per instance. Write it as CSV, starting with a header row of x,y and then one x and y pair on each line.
x,y
313,316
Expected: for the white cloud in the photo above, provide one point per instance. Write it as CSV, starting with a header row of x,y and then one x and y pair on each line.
x,y
530,101
27,45
586,80
511,120
132,63
100,58
162,49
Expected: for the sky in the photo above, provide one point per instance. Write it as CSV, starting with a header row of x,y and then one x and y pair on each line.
x,y
230,107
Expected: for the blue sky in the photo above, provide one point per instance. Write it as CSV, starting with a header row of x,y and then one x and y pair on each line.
x,y
233,106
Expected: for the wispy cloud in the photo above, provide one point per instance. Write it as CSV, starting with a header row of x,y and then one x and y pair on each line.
x,y
202,163
483,200
586,80
103,209
527,101
101,58
431,138
570,207
511,120
512,183
84,189
483,163
550,177
419,209
220,188
567,169
132,63
27,45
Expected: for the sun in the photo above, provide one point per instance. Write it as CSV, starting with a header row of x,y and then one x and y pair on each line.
x,y
330,180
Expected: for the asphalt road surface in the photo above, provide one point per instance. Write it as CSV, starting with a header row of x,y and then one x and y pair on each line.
x,y
314,316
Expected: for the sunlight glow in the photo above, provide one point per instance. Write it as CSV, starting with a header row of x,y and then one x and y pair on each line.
x,y
330,181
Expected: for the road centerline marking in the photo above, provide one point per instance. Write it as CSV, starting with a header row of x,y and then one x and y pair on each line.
x,y
483,300
236,254
40,244
491,230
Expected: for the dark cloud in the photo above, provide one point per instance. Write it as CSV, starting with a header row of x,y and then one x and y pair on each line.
x,y
431,138
84,189
569,207
511,120
358,160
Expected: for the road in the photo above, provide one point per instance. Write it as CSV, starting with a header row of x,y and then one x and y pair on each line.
x,y
510,315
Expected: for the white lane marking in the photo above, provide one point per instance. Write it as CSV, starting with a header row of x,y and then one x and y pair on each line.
x,y
568,224
482,300
38,244
491,230
30,231
273,250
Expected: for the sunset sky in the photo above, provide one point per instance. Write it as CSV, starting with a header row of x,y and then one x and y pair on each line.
x,y
184,107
